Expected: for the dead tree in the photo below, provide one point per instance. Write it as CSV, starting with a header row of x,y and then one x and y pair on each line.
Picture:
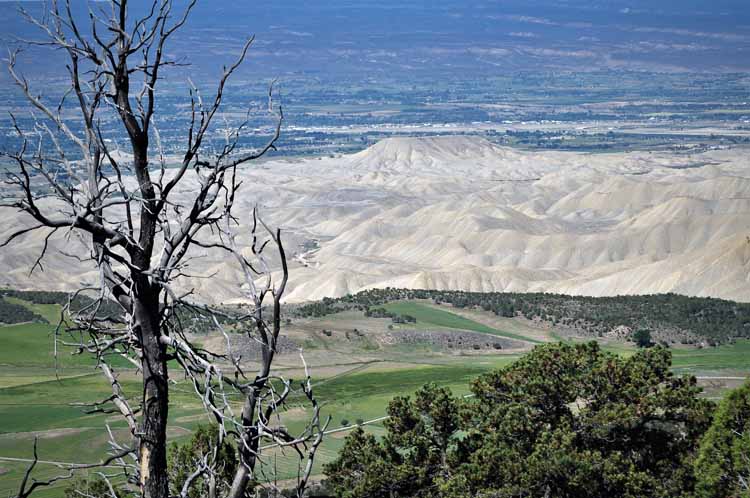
x,y
141,236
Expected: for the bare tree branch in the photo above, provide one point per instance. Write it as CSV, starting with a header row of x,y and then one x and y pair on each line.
x,y
71,178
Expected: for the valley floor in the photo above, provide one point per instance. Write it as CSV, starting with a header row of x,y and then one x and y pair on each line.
x,y
357,370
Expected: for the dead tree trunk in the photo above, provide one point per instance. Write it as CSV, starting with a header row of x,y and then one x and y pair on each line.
x,y
139,236
153,430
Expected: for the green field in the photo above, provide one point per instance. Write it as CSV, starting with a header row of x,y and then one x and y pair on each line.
x,y
69,435
28,350
428,315
36,399
728,359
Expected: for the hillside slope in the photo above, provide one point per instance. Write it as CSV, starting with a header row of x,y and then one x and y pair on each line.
x,y
462,213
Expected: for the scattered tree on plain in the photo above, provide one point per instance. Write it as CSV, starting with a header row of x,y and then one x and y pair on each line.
x,y
642,338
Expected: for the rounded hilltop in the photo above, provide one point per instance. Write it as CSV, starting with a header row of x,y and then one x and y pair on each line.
x,y
443,154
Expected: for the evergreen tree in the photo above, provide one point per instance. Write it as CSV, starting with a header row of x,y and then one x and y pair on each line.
x,y
183,459
563,421
722,468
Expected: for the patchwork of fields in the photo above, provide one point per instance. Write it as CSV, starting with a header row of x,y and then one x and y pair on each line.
x,y
39,392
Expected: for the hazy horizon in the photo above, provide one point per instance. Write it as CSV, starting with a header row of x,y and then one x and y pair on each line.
x,y
423,39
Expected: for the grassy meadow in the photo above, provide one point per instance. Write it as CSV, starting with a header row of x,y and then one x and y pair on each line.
x,y
430,316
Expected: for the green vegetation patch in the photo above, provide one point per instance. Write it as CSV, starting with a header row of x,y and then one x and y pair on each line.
x,y
33,345
526,425
13,312
441,318
49,312
728,357
368,384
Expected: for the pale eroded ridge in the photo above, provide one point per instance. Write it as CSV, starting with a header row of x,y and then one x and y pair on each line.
x,y
462,213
